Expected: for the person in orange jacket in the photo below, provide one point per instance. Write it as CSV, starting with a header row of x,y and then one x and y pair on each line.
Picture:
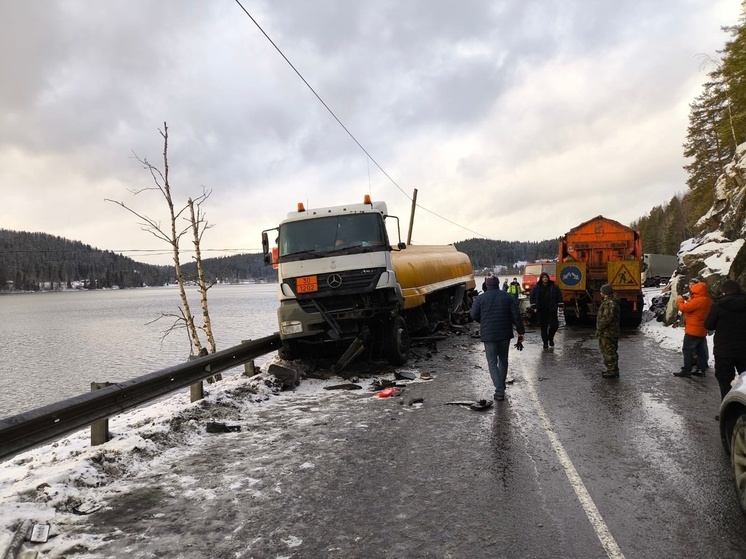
x,y
695,309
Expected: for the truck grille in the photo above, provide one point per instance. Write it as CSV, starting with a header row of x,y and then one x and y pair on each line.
x,y
342,283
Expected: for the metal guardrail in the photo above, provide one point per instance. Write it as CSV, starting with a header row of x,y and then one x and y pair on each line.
x,y
36,427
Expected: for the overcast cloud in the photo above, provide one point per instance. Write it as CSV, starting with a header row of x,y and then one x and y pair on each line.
x,y
514,119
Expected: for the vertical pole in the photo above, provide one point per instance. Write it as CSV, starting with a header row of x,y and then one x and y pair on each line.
x,y
411,217
196,391
100,428
249,368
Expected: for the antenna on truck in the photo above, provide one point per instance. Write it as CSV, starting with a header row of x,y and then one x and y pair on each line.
x,y
411,217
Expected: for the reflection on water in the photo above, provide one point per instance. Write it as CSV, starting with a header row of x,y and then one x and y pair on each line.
x,y
56,344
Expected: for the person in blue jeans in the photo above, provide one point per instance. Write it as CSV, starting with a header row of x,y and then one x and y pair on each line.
x,y
497,313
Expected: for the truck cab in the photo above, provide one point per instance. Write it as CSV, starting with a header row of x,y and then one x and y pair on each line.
x,y
343,287
533,271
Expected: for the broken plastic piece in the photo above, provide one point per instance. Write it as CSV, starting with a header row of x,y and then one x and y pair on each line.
x,y
481,405
215,427
39,533
388,392
346,386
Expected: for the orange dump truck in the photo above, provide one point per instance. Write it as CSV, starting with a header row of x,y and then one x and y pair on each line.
x,y
596,252
344,287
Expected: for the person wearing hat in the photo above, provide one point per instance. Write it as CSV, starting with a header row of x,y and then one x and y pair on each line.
x,y
695,309
497,313
546,299
727,317
607,330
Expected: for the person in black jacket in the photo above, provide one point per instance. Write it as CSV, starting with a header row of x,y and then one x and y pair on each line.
x,y
497,313
546,299
727,317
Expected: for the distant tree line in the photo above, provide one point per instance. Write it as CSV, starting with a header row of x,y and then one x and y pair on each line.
x,y
487,253
39,261
232,269
34,261
717,125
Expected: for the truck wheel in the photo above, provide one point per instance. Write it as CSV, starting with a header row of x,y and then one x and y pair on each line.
x,y
396,341
288,351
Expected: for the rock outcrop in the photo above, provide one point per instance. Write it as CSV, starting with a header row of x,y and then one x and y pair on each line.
x,y
719,251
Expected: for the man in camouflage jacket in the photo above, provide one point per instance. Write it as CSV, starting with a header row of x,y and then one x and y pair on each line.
x,y
607,330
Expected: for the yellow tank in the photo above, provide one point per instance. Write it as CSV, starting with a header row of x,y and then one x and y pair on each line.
x,y
425,269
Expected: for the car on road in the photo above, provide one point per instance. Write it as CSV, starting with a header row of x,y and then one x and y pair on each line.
x,y
733,434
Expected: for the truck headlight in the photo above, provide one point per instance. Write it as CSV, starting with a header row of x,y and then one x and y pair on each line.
x,y
291,327
384,280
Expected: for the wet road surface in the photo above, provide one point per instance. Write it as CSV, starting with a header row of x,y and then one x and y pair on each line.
x,y
569,465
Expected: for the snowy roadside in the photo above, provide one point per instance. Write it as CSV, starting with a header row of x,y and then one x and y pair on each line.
x,y
58,484
666,336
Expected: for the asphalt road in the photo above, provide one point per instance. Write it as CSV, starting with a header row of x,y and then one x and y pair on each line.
x,y
570,465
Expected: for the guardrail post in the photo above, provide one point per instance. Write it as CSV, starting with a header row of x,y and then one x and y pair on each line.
x,y
99,429
249,368
196,391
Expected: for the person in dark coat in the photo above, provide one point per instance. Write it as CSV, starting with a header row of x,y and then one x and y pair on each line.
x,y
727,317
497,313
546,299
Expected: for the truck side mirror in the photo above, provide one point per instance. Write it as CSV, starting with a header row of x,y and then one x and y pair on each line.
x,y
265,249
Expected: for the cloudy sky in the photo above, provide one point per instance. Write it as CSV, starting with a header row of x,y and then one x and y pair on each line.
x,y
513,119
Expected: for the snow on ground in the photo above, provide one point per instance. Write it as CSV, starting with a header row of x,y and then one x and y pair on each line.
x,y
666,336
68,478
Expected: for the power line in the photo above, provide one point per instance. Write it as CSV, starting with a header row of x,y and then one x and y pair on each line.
x,y
350,134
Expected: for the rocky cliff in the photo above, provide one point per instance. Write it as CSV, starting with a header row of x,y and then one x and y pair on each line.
x,y
718,252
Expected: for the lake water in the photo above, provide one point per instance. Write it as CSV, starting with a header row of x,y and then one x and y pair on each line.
x,y
55,344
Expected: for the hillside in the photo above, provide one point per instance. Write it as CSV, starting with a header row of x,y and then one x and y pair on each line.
x,y
486,253
36,261
41,261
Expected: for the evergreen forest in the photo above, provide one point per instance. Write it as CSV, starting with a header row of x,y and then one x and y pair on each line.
x,y
39,261
717,125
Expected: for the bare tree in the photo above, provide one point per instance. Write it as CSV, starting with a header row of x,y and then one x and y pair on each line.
x,y
197,224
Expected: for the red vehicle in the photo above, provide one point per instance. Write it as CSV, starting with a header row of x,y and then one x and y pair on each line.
x,y
532,272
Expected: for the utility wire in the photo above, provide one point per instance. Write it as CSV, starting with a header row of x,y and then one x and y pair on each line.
x,y
350,134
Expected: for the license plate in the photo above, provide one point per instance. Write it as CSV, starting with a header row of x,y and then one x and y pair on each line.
x,y
306,284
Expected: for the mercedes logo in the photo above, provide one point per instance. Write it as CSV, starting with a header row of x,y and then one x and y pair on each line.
x,y
334,281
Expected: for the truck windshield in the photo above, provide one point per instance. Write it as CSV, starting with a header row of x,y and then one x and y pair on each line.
x,y
537,269
317,237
